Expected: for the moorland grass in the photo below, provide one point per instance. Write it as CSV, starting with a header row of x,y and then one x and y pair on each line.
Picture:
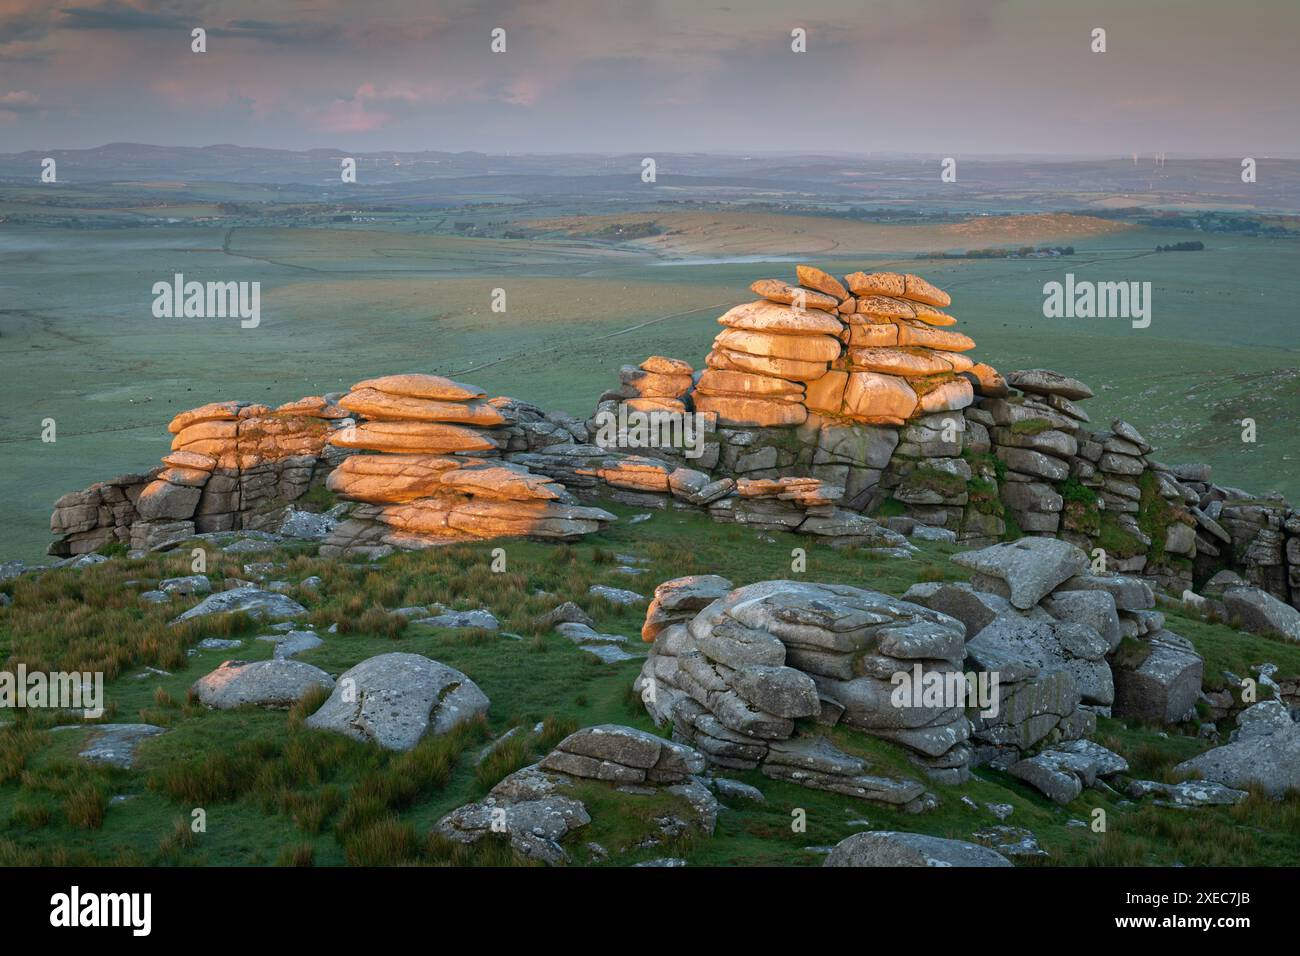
x,y
276,792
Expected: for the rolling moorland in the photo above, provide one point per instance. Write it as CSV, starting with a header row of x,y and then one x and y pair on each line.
x,y
401,278
353,283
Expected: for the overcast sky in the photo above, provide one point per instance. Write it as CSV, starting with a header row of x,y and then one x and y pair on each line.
x,y
955,77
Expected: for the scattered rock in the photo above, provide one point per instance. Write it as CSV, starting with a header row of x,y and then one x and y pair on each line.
x,y
1010,841
566,613
1193,793
617,596
219,644
190,585
481,618
1266,753
538,806
292,643
116,745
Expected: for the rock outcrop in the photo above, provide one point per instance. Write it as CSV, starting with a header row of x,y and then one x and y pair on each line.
x,y
1067,645
821,404
536,808
735,679
871,349
233,465
434,473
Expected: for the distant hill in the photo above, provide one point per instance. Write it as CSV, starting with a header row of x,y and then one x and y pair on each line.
x,y
1005,184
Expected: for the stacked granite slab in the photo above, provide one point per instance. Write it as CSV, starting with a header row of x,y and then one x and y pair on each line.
x,y
536,809
232,465
659,384
871,349
1035,437
1067,645
804,506
736,678
432,473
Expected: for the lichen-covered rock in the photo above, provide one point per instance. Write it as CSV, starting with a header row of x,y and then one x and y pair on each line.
x,y
1261,613
889,848
1157,677
1266,753
274,683
536,808
735,678
250,600
1030,568
394,700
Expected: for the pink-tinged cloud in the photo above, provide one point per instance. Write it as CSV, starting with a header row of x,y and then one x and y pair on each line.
x,y
522,92
18,99
350,116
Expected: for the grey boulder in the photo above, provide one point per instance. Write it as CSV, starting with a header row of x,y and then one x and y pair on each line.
x,y
1260,613
1266,753
890,848
275,683
253,601
396,699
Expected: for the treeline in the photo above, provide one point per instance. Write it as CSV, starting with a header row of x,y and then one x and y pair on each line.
x,y
1024,252
1193,246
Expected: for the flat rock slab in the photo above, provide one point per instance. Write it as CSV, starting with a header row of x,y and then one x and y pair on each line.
x,y
250,546
1010,841
275,683
582,634
115,745
393,700
479,618
219,644
292,643
889,848
1031,567
1192,793
609,653
619,596
253,601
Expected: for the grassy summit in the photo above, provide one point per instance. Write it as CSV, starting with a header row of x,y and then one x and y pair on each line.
x,y
276,792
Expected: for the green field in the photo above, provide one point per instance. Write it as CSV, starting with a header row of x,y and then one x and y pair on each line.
x,y
80,345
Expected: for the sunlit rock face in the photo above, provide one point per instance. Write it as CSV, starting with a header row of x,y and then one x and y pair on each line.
x,y
232,465
870,349
428,471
